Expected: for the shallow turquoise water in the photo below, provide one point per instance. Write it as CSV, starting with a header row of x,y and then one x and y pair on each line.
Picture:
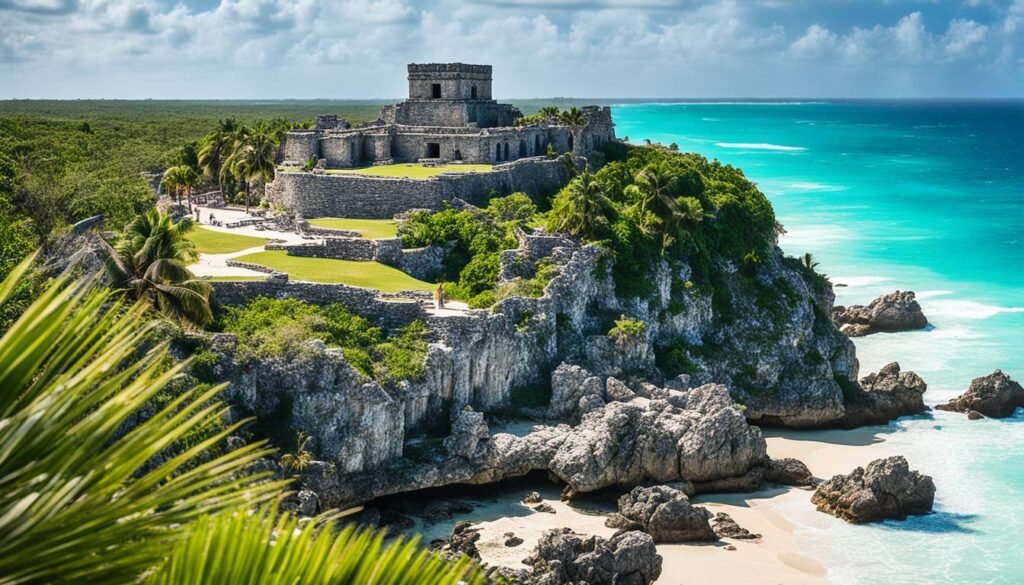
x,y
926,196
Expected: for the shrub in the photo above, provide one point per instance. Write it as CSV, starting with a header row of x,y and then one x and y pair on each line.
x,y
627,329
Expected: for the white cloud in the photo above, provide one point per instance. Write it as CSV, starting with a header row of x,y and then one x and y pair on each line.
x,y
543,47
963,36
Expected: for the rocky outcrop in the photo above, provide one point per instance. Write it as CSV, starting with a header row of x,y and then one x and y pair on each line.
x,y
889,313
887,489
469,435
664,513
725,527
702,439
788,471
995,395
563,557
883,396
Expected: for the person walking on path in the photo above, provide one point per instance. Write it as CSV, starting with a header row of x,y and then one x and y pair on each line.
x,y
439,297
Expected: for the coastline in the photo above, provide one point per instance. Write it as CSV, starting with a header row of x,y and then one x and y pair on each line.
x,y
778,514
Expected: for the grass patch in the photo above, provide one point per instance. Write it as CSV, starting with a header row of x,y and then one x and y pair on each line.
x,y
366,274
412,170
371,229
214,242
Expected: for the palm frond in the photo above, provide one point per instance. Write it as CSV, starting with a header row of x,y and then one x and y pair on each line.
x,y
274,548
80,498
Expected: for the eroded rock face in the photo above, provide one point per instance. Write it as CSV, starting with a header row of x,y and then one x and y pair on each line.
x,y
562,557
884,396
887,489
889,313
705,439
626,443
995,395
469,437
664,513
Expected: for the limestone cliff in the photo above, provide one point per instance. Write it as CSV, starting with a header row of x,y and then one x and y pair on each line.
x,y
769,341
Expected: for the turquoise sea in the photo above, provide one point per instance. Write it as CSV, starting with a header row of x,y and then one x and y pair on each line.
x,y
919,195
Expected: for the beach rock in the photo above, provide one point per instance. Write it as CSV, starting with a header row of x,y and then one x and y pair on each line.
x,y
627,443
469,435
533,498
570,383
664,513
545,508
616,390
883,396
788,471
974,415
887,489
995,396
725,527
511,540
893,312
562,557
463,540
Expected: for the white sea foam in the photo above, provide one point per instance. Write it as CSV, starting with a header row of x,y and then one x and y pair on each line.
x,y
760,146
800,239
964,309
711,119
859,281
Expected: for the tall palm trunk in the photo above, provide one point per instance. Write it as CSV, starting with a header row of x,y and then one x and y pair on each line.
x,y
247,189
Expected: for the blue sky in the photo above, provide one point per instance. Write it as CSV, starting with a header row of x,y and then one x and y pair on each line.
x,y
268,49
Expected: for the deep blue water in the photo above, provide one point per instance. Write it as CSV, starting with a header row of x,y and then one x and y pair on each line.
x,y
919,195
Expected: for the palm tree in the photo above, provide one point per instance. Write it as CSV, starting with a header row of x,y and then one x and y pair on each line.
x,y
253,157
808,261
550,113
658,209
171,182
90,492
581,208
215,149
84,496
573,117
149,260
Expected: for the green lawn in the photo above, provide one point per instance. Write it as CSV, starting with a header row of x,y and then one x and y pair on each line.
x,y
406,170
365,274
212,242
368,228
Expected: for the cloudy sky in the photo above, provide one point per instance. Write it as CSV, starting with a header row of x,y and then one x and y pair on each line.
x,y
539,48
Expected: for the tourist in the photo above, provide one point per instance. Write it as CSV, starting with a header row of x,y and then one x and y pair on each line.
x,y
439,297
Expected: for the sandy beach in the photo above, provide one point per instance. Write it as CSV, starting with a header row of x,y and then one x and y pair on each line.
x,y
777,514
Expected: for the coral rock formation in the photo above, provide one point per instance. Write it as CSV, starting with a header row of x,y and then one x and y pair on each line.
x,y
889,313
995,395
887,489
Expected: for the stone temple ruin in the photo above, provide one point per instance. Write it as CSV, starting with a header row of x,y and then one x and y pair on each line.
x,y
449,117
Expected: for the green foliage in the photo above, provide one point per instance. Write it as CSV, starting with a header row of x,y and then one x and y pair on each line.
x,y
477,240
274,547
627,329
81,500
674,360
401,358
517,207
148,260
267,327
582,208
310,163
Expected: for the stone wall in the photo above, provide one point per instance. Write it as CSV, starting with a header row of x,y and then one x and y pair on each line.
x,y
390,313
422,263
363,196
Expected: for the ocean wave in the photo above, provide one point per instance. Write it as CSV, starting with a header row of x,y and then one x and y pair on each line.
x,y
711,119
700,103
858,281
760,146
965,309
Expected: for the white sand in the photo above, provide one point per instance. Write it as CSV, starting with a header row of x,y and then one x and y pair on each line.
x,y
777,514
